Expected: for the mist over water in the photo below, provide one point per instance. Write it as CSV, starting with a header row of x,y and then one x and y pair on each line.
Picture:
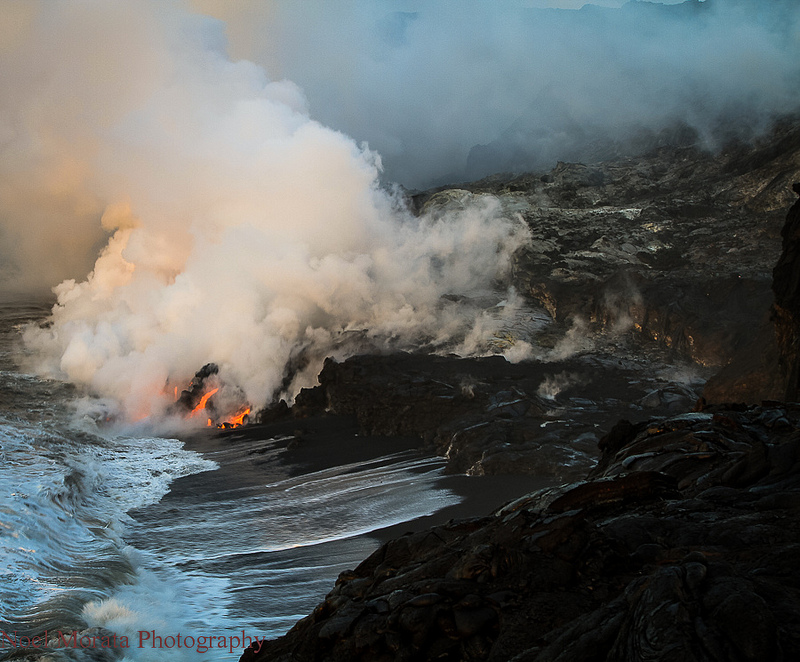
x,y
234,225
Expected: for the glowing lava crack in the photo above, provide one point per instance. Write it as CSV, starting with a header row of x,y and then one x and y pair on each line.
x,y
198,400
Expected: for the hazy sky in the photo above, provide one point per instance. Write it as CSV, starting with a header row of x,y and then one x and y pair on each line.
x,y
426,82
441,90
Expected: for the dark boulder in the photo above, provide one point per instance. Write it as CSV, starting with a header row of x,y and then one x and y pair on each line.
x,y
680,545
768,367
786,309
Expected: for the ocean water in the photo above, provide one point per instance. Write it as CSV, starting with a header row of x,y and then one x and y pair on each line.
x,y
151,551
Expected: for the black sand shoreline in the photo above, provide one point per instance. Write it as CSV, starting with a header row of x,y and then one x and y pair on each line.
x,y
309,445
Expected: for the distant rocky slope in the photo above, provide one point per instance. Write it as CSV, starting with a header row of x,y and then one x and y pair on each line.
x,y
677,246
680,541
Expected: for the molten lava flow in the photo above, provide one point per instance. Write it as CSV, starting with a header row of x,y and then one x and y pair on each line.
x,y
233,421
239,418
202,404
213,417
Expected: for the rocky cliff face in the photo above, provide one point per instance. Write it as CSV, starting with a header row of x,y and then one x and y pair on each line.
x,y
680,542
674,249
786,309
768,366
680,545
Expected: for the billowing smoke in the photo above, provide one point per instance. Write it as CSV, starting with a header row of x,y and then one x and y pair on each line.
x,y
234,229
239,231
451,90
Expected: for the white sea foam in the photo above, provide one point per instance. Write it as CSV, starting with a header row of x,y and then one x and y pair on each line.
x,y
165,604
133,472
64,495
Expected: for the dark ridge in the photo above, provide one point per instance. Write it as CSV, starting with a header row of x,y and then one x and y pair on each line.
x,y
679,541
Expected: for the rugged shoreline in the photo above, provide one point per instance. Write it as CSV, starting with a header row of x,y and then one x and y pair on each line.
x,y
679,542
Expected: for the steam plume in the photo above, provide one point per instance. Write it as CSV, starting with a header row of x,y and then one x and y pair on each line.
x,y
241,231
233,228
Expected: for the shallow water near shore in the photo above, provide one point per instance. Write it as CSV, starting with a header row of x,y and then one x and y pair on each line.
x,y
229,535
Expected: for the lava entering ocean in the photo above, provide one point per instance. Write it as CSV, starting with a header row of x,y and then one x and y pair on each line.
x,y
198,400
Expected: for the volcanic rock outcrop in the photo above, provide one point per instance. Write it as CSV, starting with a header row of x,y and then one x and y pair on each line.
x,y
768,367
680,545
786,309
681,542
489,416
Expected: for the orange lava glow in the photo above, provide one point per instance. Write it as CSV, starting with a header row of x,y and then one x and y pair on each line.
x,y
202,404
233,421
239,418
230,422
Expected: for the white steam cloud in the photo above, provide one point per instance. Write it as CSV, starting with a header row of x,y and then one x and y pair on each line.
x,y
461,89
242,232
233,228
